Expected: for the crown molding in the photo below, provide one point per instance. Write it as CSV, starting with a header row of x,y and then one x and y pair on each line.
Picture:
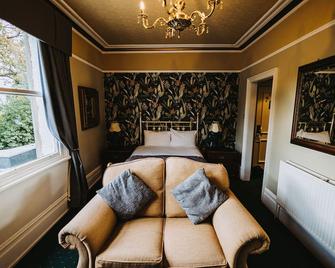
x,y
255,31
270,14
293,43
79,21
153,51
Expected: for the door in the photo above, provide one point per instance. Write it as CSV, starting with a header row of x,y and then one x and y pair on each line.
x,y
263,107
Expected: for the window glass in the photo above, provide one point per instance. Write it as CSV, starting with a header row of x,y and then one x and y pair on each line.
x,y
14,57
24,134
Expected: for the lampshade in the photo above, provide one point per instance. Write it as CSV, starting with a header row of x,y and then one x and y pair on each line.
x,y
215,127
114,127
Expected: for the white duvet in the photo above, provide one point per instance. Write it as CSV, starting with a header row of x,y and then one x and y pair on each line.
x,y
167,150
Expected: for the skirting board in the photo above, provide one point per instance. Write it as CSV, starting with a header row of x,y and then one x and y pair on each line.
x,y
94,176
14,248
269,200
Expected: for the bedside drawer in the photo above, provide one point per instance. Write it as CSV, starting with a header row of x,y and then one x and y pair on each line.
x,y
117,155
229,158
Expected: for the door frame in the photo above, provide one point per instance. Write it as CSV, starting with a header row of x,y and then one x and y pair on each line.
x,y
249,123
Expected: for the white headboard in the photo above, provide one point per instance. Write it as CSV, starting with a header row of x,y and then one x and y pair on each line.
x,y
156,125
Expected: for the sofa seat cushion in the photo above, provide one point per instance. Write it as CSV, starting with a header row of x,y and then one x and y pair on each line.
x,y
188,245
135,243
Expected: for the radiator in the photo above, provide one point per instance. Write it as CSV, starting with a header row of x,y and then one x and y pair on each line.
x,y
309,199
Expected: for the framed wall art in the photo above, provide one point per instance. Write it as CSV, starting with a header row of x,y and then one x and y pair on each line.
x,y
314,112
89,107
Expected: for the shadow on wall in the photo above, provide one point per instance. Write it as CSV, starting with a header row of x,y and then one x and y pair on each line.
x,y
172,96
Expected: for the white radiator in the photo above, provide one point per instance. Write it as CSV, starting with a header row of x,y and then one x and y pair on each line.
x,y
308,199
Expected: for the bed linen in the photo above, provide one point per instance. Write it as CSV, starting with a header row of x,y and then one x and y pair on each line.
x,y
166,151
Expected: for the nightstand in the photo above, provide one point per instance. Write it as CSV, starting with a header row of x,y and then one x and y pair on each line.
x,y
117,155
231,159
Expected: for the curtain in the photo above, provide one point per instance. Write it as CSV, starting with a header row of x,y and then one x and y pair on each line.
x,y
59,107
41,19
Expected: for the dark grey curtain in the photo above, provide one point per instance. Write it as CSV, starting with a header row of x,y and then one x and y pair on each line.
x,y
59,106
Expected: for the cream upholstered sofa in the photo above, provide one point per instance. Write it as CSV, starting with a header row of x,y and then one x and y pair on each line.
x,y
162,235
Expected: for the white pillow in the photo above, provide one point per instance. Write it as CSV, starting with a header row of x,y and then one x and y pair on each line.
x,y
322,136
183,138
157,138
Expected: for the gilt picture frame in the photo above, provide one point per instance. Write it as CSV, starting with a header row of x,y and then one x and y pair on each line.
x,y
314,112
89,107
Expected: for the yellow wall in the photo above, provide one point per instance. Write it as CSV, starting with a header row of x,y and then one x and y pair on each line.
x,y
316,47
85,50
91,141
172,61
309,17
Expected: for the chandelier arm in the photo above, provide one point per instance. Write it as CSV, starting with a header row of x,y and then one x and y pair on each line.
x,y
179,20
212,11
200,14
159,21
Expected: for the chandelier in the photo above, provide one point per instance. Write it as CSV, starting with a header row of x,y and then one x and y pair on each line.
x,y
178,20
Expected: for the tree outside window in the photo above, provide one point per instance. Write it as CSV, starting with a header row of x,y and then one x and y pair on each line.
x,y
24,134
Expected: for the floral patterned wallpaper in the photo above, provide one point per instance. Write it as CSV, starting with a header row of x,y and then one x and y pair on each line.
x,y
172,96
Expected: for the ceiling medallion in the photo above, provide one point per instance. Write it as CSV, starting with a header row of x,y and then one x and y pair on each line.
x,y
178,20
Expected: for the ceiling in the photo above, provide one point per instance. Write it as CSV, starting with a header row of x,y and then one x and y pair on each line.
x,y
113,23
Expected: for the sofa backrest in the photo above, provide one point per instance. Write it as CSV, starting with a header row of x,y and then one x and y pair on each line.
x,y
151,171
178,169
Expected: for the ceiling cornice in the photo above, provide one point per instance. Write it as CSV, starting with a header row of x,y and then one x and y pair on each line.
x,y
263,25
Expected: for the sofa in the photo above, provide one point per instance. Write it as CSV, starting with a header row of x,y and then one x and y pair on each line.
x,y
162,235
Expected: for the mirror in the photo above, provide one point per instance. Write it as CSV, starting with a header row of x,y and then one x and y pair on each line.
x,y
314,112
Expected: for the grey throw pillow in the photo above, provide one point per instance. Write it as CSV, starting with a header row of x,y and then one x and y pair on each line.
x,y
126,195
198,196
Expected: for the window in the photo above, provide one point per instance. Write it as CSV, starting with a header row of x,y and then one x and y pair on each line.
x,y
24,134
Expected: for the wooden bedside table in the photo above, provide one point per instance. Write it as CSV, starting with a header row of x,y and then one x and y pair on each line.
x,y
117,155
231,159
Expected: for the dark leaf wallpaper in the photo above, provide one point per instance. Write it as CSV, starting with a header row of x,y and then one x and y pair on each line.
x,y
172,96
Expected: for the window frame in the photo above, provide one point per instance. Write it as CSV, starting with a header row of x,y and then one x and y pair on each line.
x,y
20,91
21,172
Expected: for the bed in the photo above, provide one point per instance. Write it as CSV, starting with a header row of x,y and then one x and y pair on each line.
x,y
322,132
168,138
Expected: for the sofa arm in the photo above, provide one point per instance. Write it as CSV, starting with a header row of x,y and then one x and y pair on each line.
x,y
88,231
238,232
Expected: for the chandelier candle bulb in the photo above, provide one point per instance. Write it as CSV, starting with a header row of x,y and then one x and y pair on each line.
x,y
142,6
178,20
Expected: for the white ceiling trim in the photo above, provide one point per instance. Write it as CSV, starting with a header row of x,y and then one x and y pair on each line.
x,y
271,13
172,51
73,15
192,51
293,43
276,24
87,63
64,7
